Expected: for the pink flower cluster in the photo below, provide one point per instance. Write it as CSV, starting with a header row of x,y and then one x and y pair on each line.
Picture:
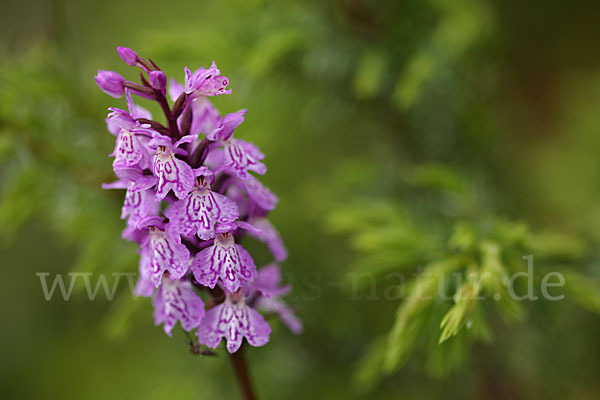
x,y
190,198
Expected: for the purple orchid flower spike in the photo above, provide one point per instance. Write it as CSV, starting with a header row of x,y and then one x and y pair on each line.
x,y
266,291
206,82
177,301
171,172
165,252
233,320
225,259
187,198
200,211
239,156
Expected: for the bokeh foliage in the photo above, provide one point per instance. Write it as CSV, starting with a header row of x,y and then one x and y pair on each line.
x,y
402,137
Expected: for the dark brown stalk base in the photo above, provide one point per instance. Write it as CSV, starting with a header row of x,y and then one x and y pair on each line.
x,y
241,373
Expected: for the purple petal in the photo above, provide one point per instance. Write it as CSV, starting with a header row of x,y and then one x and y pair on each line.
x,y
225,260
172,173
269,235
200,211
213,325
130,151
233,322
237,161
268,282
136,111
206,270
144,182
227,125
205,116
138,205
120,184
258,329
188,81
248,227
177,301
166,254
144,286
247,266
262,196
118,119
206,82
134,234
175,89
286,314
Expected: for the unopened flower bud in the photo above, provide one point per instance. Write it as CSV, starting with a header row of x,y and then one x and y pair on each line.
x,y
158,81
111,83
129,56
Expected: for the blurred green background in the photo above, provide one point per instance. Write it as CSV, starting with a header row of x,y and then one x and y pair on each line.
x,y
398,134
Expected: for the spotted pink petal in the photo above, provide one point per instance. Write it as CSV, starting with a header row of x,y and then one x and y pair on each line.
x,y
200,211
238,160
177,301
259,194
225,260
233,322
172,174
166,253
144,286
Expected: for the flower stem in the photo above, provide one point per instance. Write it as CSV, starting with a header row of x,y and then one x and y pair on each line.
x,y
162,101
241,372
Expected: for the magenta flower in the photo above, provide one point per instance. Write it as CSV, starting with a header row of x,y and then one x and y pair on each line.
x,y
260,195
171,172
267,285
206,82
165,252
177,301
131,149
233,320
130,153
225,259
189,190
239,156
139,199
201,209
